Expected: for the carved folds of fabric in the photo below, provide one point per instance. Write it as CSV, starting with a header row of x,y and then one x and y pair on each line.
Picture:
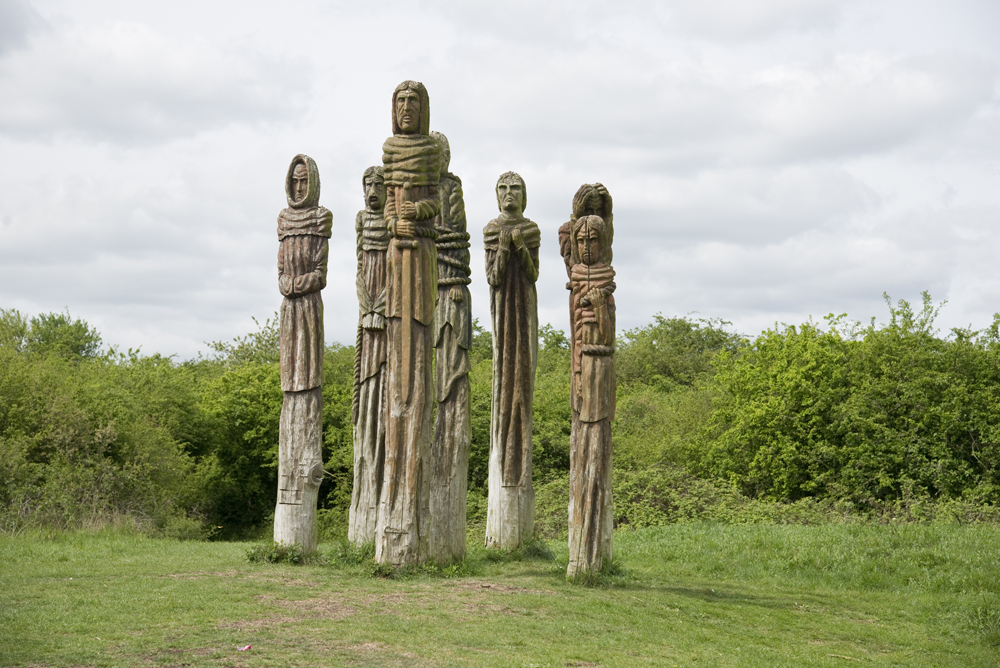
x,y
373,242
593,345
514,309
411,158
302,265
453,240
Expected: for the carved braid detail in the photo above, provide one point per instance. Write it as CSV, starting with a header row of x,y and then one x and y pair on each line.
x,y
597,349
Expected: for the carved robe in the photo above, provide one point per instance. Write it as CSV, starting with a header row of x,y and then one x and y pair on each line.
x,y
369,420
303,232
514,308
452,339
401,534
593,397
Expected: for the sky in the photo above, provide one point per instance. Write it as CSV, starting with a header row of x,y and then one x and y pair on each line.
x,y
769,161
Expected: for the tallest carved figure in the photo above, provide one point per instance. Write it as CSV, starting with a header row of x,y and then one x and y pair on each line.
x,y
511,243
412,162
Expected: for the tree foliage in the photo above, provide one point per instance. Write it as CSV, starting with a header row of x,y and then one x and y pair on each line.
x,y
817,416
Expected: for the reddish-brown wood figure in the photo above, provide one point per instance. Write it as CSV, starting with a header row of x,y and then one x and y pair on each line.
x,y
593,397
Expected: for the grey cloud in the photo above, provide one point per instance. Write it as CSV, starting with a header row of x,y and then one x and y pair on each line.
x,y
18,21
729,20
127,85
861,103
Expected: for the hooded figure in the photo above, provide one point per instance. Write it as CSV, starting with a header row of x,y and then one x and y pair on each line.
x,y
412,164
303,232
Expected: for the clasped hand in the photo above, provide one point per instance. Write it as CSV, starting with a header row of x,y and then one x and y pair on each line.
x,y
509,238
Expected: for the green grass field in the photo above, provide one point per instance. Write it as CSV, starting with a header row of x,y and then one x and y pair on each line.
x,y
684,595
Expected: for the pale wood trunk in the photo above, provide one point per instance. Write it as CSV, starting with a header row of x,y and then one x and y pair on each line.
x,y
590,508
401,532
449,466
300,468
369,455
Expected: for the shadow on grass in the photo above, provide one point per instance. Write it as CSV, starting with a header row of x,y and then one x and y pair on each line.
x,y
709,595
477,561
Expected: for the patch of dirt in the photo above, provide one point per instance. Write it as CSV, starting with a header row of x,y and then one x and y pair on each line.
x,y
479,585
258,624
580,663
487,609
199,576
288,582
366,647
319,607
326,608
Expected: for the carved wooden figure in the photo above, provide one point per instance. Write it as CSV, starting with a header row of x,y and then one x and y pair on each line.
x,y
369,361
449,463
593,397
511,243
303,232
591,199
412,163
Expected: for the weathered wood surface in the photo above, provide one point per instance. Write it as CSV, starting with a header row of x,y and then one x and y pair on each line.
x,y
511,242
449,460
300,468
593,397
368,412
411,160
303,232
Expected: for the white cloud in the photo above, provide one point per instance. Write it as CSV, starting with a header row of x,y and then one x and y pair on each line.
x,y
124,83
858,103
729,20
768,160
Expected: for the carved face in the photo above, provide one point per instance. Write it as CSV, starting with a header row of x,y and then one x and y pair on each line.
x,y
408,111
511,197
588,244
374,193
300,183
594,205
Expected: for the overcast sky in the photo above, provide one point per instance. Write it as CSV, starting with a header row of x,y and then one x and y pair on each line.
x,y
769,160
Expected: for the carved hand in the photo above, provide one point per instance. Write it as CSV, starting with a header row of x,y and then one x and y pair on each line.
x,y
285,285
405,229
456,293
596,297
504,240
518,238
408,211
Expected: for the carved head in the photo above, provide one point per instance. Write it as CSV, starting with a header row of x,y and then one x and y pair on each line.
x,y
445,149
302,183
374,184
589,201
512,195
590,239
411,109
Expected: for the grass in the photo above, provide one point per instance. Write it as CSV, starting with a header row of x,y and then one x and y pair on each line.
x,y
681,595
